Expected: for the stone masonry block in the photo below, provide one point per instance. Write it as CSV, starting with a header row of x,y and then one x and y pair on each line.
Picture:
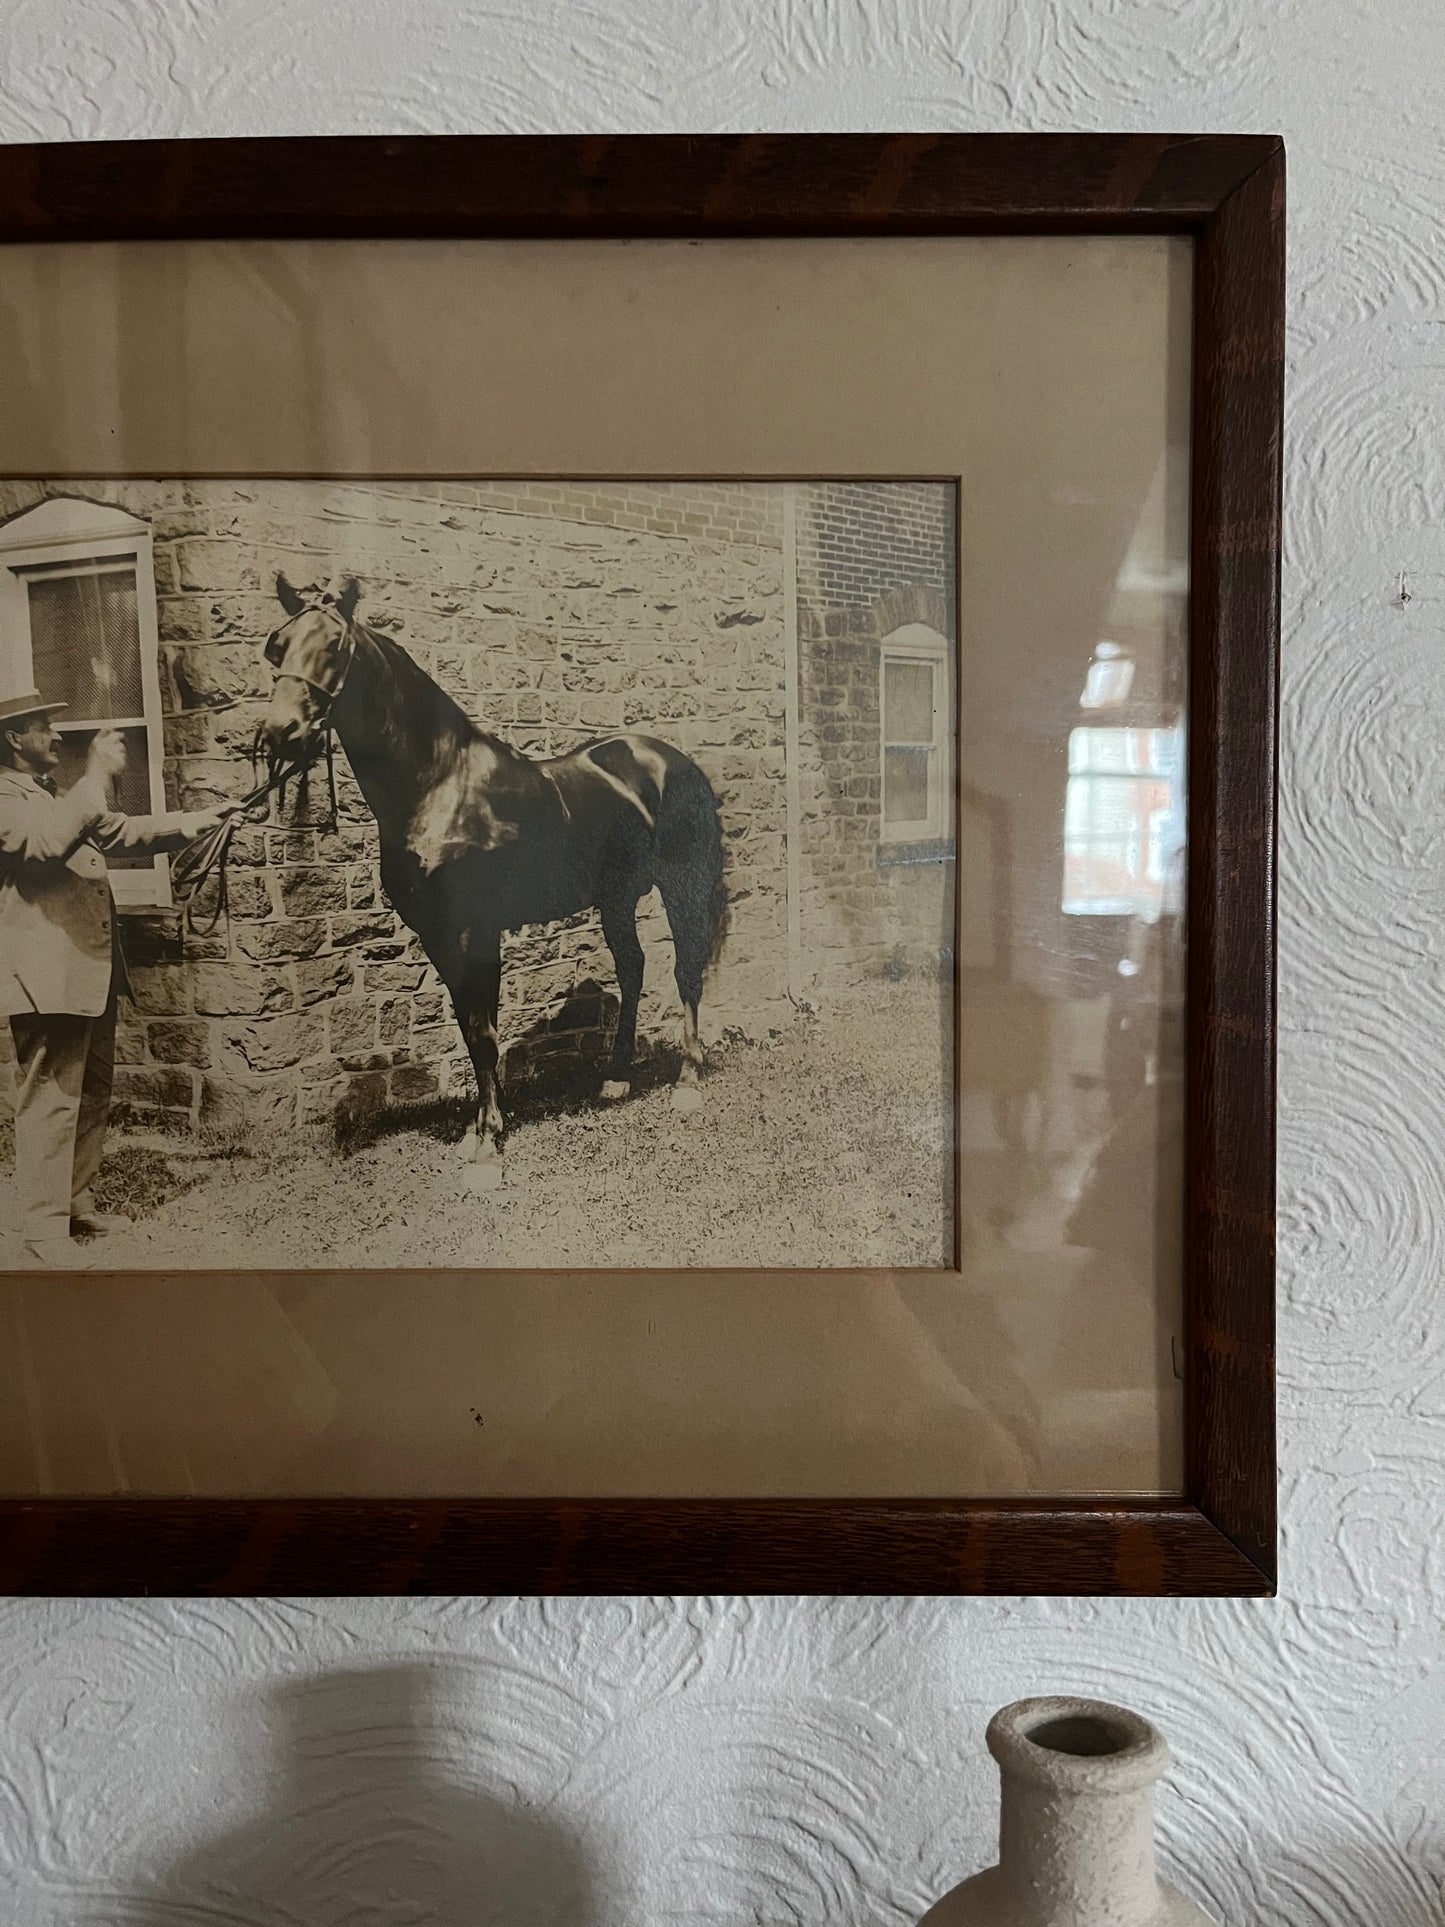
x,y
320,979
209,564
234,990
362,925
311,893
245,1107
206,673
414,1083
274,1043
180,1042
394,977
395,1020
160,989
281,942
165,1089
130,1044
352,1028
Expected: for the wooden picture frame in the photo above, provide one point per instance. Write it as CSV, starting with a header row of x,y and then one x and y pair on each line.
x,y
1227,193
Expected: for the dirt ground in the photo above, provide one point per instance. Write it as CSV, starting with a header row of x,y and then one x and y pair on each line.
x,y
826,1148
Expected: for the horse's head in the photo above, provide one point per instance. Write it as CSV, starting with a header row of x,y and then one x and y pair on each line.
x,y
311,653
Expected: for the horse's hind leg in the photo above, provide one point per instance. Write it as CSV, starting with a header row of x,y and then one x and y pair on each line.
x,y
691,943
619,927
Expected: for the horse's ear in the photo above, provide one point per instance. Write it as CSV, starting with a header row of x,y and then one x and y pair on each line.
x,y
347,597
290,599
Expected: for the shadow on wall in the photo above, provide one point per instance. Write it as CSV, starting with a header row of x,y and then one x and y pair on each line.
x,y
388,1805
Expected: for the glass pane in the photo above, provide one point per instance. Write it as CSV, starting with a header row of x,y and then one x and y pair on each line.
x,y
130,793
908,702
905,785
1124,823
86,641
1145,752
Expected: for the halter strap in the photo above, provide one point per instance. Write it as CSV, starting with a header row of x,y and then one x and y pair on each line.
x,y
329,690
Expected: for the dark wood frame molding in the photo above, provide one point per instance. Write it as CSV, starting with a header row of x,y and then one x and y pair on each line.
x,y
1227,192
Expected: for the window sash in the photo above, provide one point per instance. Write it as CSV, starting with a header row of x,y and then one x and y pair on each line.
x,y
935,822
148,883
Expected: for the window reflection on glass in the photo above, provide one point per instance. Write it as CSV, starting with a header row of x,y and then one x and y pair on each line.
x,y
1124,823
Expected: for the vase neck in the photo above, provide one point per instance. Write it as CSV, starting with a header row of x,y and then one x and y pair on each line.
x,y
1078,1859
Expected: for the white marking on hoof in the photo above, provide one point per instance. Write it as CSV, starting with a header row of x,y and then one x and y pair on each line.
x,y
467,1149
686,1099
614,1090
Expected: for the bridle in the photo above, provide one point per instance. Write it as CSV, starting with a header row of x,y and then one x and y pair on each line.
x,y
277,650
209,853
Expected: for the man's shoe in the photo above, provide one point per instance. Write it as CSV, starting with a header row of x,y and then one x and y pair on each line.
x,y
97,1224
59,1254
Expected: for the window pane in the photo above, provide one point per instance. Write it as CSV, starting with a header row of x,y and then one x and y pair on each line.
x,y
130,793
86,642
905,785
908,702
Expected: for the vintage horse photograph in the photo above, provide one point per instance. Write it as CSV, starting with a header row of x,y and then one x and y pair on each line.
x,y
504,874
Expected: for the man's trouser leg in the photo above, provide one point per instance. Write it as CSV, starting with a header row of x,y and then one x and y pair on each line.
x,y
94,1109
50,1063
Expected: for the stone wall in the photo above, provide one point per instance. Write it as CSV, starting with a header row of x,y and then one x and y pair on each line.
x,y
553,614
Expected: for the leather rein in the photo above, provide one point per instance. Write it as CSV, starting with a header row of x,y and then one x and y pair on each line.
x,y
209,854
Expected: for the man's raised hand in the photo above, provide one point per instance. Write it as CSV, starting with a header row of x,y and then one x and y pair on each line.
x,y
106,755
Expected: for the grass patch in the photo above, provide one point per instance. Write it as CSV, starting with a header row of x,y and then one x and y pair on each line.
x,y
138,1180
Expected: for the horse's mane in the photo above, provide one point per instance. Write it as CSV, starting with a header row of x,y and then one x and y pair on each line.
x,y
427,702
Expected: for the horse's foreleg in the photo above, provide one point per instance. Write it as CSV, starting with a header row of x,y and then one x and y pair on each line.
x,y
692,1059
619,927
477,998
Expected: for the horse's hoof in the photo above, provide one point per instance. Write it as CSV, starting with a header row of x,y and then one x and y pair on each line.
x,y
467,1149
484,1175
686,1099
614,1090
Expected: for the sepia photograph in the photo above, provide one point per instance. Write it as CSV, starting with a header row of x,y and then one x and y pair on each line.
x,y
407,873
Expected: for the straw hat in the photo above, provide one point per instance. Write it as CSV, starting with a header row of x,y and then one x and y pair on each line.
x,y
12,708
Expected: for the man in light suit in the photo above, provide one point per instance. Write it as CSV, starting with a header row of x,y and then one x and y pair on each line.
x,y
61,968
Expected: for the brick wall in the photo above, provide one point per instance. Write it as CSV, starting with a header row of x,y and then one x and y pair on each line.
x,y
856,540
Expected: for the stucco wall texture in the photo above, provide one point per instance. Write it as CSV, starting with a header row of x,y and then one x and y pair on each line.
x,y
727,1760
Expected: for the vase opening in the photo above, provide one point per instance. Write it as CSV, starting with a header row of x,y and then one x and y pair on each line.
x,y
1082,1734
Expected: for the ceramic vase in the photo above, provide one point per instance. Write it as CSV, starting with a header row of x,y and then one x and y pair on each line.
x,y
1076,1824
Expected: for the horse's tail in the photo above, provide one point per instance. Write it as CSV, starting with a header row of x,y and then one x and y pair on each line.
x,y
690,851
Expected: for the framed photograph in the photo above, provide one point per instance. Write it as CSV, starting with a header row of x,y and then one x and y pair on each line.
x,y
636,864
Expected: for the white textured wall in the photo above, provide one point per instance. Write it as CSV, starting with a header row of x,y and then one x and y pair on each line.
x,y
385,1764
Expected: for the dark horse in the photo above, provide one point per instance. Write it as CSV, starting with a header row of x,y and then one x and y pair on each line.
x,y
477,838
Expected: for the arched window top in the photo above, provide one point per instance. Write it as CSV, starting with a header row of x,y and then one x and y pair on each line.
x,y
917,638
66,521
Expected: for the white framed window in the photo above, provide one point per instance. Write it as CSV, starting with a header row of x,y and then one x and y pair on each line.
x,y
915,703
78,623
